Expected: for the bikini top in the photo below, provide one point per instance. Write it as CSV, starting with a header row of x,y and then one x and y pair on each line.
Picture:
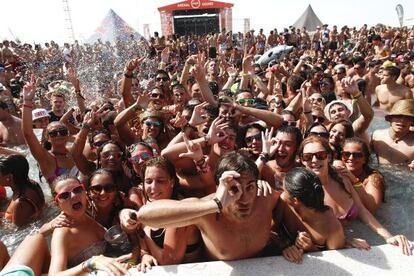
x,y
158,237
61,171
95,249
351,214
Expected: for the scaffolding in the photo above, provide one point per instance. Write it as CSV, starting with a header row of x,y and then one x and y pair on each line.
x,y
68,21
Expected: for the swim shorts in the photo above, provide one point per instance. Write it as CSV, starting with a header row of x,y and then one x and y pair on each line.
x,y
17,270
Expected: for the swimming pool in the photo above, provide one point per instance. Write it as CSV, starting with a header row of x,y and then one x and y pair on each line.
x,y
395,214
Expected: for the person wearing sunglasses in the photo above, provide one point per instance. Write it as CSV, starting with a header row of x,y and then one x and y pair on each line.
x,y
162,80
105,200
315,154
355,165
317,100
168,245
327,88
158,98
253,139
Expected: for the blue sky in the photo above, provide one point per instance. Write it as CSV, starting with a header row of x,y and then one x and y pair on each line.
x,y
42,20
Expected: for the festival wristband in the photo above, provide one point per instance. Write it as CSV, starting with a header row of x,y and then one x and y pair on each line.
x,y
219,205
357,185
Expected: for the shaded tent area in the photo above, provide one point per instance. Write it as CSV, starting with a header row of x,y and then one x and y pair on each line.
x,y
309,20
113,28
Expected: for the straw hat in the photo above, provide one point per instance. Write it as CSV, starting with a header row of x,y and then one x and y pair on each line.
x,y
402,107
328,108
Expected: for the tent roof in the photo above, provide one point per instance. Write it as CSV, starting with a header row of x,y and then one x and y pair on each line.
x,y
113,28
195,4
309,20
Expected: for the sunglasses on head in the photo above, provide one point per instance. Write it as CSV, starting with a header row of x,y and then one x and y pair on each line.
x,y
115,154
320,155
156,96
246,101
320,134
318,119
141,157
356,155
161,78
97,144
98,188
153,123
60,132
289,123
250,139
319,100
67,195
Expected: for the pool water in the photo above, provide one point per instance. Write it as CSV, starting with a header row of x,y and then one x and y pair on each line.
x,y
395,214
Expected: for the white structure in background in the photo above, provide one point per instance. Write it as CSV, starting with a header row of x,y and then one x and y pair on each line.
x,y
68,21
246,25
147,33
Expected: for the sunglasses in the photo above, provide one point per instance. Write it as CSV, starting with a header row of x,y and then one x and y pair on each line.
x,y
247,101
318,119
319,100
144,156
161,78
320,155
156,96
153,123
320,134
289,123
250,139
107,187
60,132
356,155
115,154
67,195
98,143
324,83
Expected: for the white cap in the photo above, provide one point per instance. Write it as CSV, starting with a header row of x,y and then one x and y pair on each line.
x,y
39,113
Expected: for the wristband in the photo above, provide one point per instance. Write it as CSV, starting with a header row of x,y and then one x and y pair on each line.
x,y
128,76
219,205
264,157
28,105
356,97
86,126
357,185
307,112
135,108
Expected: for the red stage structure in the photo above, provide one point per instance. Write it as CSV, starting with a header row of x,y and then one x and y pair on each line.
x,y
195,17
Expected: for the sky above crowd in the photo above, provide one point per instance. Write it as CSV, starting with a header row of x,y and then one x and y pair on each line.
x,y
44,20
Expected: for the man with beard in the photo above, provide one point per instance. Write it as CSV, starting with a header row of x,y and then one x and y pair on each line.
x,y
234,223
389,92
274,165
394,145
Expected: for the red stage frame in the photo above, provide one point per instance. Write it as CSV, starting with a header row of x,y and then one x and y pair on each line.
x,y
166,13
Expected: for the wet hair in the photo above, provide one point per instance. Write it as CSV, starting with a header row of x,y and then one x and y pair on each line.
x,y
99,172
238,162
295,82
113,142
3,105
294,131
61,178
325,144
161,162
394,71
349,130
18,166
306,186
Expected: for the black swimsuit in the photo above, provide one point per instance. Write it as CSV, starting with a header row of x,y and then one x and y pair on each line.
x,y
158,237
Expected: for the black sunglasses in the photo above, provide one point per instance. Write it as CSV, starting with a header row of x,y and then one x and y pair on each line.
x,y
97,144
250,139
318,119
320,155
108,188
289,123
356,155
161,78
320,134
60,132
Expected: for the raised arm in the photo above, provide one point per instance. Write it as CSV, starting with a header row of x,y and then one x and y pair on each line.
x,y
199,74
270,118
126,83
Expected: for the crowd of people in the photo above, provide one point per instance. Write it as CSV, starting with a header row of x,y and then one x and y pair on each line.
x,y
198,152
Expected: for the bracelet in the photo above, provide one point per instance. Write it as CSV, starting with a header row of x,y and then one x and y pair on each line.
x,y
264,157
128,76
78,94
85,126
89,265
28,105
135,108
356,97
219,205
206,139
307,112
357,185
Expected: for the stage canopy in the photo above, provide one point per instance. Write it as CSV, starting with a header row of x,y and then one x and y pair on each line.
x,y
308,19
113,28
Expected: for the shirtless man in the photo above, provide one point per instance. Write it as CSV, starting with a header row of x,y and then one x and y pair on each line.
x,y
272,40
222,41
10,128
261,42
234,222
316,40
394,145
389,92
371,79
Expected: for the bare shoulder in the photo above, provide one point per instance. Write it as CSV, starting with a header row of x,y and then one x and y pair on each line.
x,y
377,134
